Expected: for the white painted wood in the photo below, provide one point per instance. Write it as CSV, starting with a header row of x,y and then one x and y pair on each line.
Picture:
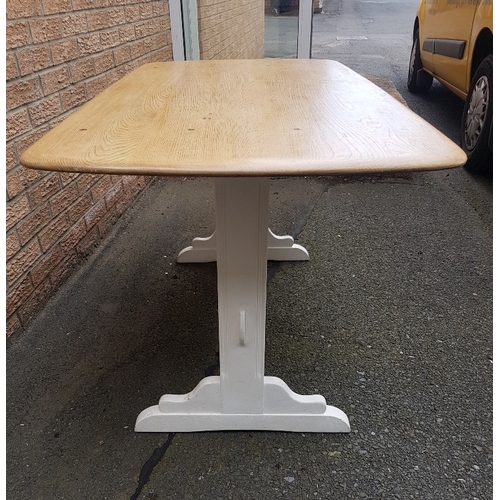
x,y
279,248
204,398
200,250
241,221
284,248
242,397
280,399
176,29
151,420
283,410
304,39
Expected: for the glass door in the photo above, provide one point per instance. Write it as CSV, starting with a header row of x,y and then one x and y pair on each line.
x,y
288,28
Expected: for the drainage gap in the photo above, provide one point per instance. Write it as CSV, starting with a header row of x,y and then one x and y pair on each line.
x,y
150,464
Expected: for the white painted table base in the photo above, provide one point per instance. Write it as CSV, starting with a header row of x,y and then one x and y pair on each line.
x,y
242,398
282,248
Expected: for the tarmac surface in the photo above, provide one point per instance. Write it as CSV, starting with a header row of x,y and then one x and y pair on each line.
x,y
390,320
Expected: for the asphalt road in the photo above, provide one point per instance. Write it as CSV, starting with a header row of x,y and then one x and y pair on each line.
x,y
391,320
374,37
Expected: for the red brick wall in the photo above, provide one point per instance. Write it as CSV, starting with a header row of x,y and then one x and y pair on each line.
x,y
60,54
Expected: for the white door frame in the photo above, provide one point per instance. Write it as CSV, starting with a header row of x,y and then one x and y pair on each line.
x,y
184,28
304,38
177,30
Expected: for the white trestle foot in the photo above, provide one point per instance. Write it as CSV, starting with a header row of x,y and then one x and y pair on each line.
x,y
281,410
279,248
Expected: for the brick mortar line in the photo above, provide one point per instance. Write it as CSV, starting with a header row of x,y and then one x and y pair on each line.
x,y
228,37
74,251
147,36
15,228
50,43
110,29
224,21
65,114
44,253
85,10
33,186
12,286
26,191
237,22
31,43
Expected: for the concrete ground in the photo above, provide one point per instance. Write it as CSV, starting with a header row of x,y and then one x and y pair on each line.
x,y
390,320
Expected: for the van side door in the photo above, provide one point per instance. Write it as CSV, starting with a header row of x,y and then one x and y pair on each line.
x,y
449,42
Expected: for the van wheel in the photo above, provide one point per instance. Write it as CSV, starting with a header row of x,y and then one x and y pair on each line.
x,y
477,119
418,80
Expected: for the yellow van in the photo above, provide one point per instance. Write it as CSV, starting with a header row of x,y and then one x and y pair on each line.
x,y
453,43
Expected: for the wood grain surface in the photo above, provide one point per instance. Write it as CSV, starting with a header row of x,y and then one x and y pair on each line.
x,y
261,117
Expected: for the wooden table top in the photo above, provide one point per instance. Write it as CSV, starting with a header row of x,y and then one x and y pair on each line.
x,y
261,117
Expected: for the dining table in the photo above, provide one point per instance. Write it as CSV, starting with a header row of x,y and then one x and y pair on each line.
x,y
243,122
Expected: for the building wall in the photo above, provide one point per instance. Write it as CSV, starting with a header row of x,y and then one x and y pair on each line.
x,y
60,54
231,29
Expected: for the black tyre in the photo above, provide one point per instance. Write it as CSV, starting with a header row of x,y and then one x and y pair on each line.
x,y
419,80
477,117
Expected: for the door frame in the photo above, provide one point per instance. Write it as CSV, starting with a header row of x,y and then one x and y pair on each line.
x,y
304,38
184,29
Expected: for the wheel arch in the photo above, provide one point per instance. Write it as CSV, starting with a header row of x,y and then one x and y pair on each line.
x,y
416,26
482,48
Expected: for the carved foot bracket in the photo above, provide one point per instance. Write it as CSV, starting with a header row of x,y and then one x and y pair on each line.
x,y
279,248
